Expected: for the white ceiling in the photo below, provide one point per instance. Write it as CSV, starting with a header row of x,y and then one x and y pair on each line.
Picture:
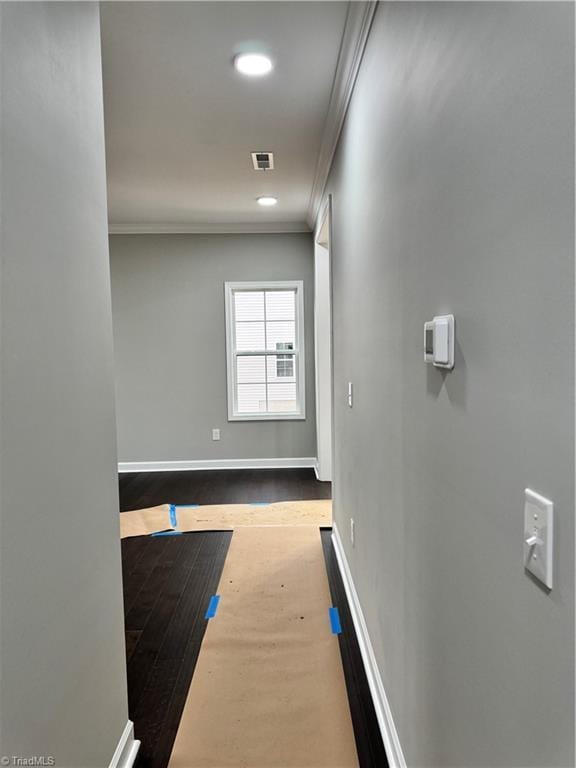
x,y
181,122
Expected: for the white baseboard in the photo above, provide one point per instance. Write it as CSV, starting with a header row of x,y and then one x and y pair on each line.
x,y
127,749
381,704
317,473
193,464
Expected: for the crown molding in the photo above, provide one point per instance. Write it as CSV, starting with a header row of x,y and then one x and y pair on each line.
x,y
354,39
209,229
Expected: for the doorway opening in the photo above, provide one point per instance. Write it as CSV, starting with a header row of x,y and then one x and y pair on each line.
x,y
323,340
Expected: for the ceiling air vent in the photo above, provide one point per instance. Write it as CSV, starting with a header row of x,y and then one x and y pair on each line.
x,y
263,161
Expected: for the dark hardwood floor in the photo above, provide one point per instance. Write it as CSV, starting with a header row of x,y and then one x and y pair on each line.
x,y
168,582
237,486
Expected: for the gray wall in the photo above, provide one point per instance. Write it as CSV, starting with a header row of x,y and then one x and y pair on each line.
x,y
453,192
170,344
62,665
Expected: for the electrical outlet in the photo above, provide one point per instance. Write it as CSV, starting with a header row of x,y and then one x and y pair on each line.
x,y
215,434
352,530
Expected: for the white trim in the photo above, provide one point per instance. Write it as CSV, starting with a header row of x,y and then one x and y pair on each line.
x,y
317,473
324,213
267,416
127,749
270,227
354,38
323,340
381,704
299,352
194,464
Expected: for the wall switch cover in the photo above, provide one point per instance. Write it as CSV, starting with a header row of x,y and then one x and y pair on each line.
x,y
443,355
539,536
215,434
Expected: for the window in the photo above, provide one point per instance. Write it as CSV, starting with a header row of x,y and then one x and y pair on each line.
x,y
265,346
284,363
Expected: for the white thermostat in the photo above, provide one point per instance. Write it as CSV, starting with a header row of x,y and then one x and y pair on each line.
x,y
439,341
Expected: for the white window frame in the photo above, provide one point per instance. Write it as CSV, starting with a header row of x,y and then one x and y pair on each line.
x,y
299,351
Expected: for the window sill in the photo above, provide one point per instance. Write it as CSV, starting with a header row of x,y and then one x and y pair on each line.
x,y
267,417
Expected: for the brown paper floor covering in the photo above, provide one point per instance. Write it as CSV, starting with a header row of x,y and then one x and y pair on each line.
x,y
222,517
268,690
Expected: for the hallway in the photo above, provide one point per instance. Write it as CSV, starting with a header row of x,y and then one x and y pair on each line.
x,y
287,384
167,585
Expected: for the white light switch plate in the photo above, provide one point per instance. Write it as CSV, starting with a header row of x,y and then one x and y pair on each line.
x,y
443,356
349,394
539,536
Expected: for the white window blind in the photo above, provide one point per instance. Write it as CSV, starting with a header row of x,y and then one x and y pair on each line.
x,y
265,346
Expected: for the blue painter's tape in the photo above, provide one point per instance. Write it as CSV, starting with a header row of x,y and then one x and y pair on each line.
x,y
335,621
212,607
167,533
185,506
173,518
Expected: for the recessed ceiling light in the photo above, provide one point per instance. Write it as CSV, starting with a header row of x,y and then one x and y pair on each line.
x,y
267,201
253,64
